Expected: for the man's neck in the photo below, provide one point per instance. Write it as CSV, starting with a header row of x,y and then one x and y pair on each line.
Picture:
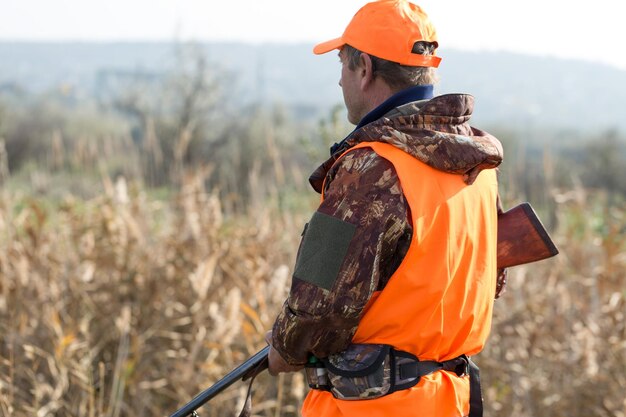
x,y
408,95
378,95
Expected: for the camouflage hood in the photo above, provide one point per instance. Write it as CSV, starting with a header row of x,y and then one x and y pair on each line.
x,y
435,131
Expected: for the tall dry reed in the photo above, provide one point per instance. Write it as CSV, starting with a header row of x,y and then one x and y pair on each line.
x,y
122,305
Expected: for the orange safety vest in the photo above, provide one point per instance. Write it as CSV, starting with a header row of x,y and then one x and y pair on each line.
x,y
438,304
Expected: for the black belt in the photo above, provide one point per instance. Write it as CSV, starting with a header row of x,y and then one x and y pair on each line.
x,y
409,370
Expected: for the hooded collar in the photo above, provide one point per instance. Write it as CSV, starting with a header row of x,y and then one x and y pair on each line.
x,y
436,132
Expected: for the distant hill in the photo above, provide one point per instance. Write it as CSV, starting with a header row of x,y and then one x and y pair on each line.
x,y
510,89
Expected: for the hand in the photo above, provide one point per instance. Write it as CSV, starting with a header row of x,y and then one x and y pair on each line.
x,y
276,363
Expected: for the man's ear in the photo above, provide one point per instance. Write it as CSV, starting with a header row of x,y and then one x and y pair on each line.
x,y
366,68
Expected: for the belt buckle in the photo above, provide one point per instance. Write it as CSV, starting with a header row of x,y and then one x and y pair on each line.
x,y
463,368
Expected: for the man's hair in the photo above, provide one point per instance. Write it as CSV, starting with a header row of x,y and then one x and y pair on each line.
x,y
397,76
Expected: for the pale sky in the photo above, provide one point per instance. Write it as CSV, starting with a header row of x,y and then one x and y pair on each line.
x,y
589,30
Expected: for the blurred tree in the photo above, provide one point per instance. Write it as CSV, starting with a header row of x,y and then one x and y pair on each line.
x,y
330,129
175,114
604,163
4,158
4,162
26,135
2,111
193,118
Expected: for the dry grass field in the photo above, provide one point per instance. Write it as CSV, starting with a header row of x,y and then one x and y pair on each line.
x,y
120,306
125,305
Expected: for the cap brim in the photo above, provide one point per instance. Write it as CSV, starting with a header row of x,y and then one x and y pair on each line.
x,y
328,46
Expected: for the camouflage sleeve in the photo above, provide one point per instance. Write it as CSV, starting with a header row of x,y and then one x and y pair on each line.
x,y
364,191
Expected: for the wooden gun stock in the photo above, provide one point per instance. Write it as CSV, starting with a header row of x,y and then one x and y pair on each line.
x,y
522,238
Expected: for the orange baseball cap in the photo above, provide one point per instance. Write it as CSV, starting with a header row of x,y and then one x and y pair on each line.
x,y
388,29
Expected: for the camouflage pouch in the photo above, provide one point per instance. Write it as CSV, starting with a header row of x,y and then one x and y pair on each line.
x,y
361,372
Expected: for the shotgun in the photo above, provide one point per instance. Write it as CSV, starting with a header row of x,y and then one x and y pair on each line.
x,y
521,239
250,368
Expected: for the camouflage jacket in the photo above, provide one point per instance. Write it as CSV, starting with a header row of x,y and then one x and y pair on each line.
x,y
363,189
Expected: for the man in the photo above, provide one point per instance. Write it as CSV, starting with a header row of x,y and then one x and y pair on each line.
x,y
398,264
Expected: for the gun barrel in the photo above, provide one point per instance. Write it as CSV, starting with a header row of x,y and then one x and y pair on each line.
x,y
253,365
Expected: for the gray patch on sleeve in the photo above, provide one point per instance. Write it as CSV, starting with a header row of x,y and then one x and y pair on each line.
x,y
323,250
